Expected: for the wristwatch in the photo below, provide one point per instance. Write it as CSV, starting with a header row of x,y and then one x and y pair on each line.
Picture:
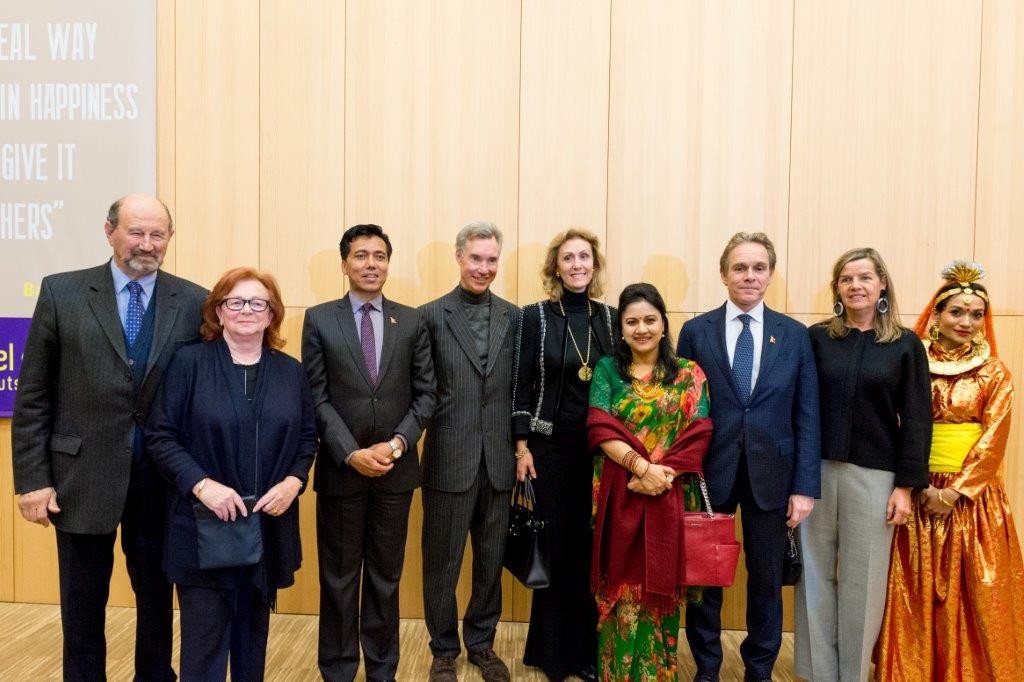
x,y
396,449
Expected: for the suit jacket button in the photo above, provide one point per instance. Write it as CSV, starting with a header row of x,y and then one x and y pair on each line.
x,y
128,377
746,409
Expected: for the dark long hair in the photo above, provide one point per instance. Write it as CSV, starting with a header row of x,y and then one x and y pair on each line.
x,y
622,354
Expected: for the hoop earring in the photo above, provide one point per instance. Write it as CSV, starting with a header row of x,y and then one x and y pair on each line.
x,y
882,305
933,332
838,308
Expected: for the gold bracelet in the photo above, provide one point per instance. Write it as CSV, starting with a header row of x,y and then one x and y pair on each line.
x,y
943,499
521,453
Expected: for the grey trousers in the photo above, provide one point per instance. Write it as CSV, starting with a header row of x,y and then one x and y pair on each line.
x,y
840,598
482,513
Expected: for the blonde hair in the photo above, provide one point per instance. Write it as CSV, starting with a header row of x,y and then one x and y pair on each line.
x,y
747,238
549,272
887,325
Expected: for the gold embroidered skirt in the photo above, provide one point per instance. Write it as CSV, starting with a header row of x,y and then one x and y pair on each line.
x,y
955,603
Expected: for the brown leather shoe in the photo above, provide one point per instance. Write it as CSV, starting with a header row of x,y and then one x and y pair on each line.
x,y
443,670
491,667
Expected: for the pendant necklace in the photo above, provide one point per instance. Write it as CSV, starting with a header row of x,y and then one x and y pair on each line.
x,y
584,373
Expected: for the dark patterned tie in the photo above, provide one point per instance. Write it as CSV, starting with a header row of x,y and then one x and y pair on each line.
x,y
366,340
743,358
133,317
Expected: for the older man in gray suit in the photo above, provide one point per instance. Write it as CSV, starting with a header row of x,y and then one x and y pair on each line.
x,y
97,349
468,462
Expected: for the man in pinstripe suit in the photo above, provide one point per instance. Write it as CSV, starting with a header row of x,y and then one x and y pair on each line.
x,y
97,349
468,463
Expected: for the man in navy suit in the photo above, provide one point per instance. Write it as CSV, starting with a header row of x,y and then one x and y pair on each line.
x,y
765,452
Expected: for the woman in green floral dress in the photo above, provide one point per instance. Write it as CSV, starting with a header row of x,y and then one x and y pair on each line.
x,y
648,415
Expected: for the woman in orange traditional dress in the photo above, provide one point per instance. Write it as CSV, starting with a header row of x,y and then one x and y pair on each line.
x,y
956,580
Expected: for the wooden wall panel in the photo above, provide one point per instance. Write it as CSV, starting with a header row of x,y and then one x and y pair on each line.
x,y
1010,336
431,140
698,140
431,131
563,124
165,114
217,177
884,130
302,155
999,239
9,514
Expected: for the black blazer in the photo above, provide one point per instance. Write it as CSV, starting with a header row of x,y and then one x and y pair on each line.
x,y
471,419
537,386
202,426
778,424
76,411
352,413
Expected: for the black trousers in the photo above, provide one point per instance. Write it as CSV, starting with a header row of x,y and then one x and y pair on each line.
x,y
481,512
85,564
563,617
361,542
220,623
764,543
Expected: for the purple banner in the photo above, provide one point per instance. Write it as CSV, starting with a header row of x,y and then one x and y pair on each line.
x,y
13,332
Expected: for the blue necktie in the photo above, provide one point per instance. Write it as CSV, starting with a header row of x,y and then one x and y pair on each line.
x,y
133,317
743,358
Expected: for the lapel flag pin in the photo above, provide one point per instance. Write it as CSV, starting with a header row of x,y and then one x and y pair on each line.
x,y
394,321
771,339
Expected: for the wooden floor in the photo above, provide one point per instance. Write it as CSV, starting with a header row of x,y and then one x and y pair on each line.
x,y
30,648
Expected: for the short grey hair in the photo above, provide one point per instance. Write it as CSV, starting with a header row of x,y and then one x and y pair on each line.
x,y
114,214
480,229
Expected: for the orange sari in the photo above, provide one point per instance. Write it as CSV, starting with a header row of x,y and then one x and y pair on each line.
x,y
955,601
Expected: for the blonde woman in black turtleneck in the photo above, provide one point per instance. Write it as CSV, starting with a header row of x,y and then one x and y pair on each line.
x,y
559,342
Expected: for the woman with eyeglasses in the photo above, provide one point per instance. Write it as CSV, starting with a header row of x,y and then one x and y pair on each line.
x,y
234,434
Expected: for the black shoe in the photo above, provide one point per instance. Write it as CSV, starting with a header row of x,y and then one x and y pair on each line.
x,y
752,677
705,677
587,674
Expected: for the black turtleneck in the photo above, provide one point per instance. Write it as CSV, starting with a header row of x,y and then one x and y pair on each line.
x,y
477,308
548,387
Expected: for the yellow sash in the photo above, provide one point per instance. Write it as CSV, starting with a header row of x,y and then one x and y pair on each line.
x,y
950,445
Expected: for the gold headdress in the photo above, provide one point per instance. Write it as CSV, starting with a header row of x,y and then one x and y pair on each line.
x,y
964,273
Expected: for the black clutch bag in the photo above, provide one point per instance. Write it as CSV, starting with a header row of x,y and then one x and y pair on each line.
x,y
225,544
526,545
791,565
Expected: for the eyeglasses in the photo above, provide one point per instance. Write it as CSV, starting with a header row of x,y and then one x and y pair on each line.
x,y
257,305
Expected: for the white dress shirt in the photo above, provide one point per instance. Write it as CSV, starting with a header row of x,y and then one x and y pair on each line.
x,y
733,327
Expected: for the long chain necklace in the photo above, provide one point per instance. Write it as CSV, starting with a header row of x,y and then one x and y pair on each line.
x,y
647,390
584,373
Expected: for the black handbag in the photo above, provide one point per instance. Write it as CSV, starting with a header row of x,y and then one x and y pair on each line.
x,y
526,545
228,544
224,544
791,565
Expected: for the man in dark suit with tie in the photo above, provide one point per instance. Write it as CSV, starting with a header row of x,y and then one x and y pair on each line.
x,y
468,462
368,363
765,452
97,349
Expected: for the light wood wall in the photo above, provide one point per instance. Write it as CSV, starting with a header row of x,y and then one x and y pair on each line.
x,y
662,125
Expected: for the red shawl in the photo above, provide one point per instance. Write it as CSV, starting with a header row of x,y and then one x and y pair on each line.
x,y
638,538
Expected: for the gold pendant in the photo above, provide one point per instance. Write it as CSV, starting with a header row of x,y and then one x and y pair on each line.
x,y
585,373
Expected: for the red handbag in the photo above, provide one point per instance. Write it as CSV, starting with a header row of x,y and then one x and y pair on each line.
x,y
710,548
